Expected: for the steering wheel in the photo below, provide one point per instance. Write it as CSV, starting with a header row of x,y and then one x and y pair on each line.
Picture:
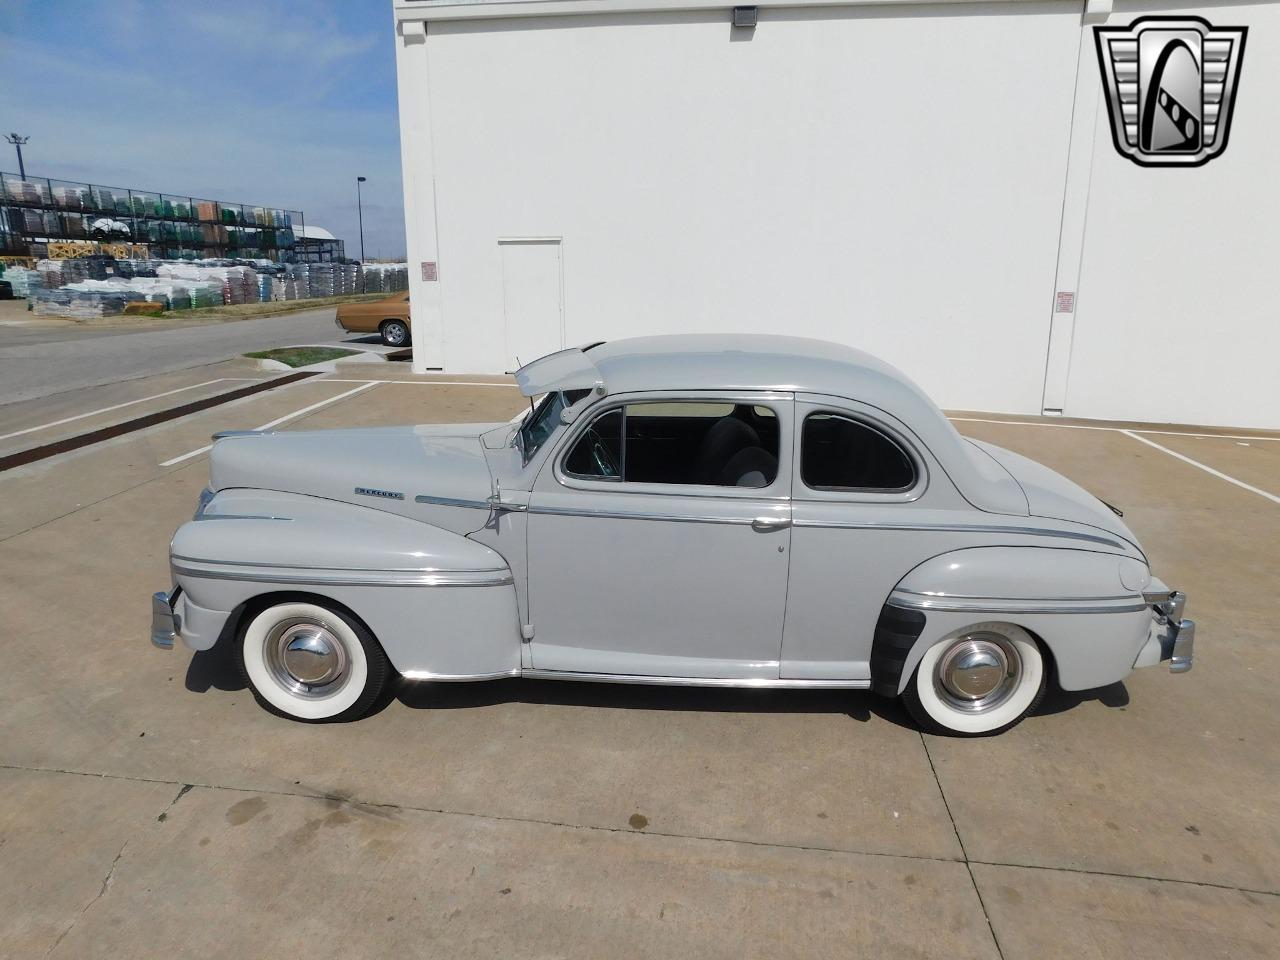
x,y
601,455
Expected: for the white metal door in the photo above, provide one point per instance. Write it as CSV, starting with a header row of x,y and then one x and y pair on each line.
x,y
533,305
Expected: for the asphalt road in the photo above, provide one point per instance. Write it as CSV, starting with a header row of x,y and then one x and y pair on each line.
x,y
40,361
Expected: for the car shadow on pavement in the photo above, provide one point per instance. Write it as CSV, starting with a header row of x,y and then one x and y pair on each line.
x,y
214,670
1114,695
857,704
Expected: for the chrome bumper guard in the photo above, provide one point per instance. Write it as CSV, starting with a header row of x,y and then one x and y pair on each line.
x,y
164,622
1178,644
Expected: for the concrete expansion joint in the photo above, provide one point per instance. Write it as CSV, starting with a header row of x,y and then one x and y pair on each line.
x,y
736,841
968,865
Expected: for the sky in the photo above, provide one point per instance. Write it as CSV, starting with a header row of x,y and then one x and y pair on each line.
x,y
261,102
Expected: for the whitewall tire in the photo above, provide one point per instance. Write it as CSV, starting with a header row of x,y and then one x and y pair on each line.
x,y
310,662
978,681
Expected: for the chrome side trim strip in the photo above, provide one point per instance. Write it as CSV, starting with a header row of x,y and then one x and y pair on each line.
x,y
353,578
769,683
302,566
459,677
627,515
238,516
917,601
452,502
961,528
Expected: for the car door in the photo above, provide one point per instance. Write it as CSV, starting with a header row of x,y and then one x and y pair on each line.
x,y
658,538
869,504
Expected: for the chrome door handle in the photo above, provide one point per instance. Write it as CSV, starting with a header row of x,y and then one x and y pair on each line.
x,y
769,524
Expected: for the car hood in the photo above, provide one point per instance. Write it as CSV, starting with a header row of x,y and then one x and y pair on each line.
x,y
385,468
1051,495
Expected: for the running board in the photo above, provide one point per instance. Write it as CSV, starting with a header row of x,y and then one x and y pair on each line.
x,y
767,683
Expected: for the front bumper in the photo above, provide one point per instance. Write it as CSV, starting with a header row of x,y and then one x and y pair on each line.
x,y
165,624
1171,637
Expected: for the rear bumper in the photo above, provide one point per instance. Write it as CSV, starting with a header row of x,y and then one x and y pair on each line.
x,y
164,622
1171,638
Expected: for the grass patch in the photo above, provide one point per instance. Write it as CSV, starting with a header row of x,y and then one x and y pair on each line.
x,y
302,356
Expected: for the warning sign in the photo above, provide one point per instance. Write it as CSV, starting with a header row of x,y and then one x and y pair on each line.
x,y
429,270
1065,302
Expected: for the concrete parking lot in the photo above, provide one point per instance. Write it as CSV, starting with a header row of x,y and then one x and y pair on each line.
x,y
149,808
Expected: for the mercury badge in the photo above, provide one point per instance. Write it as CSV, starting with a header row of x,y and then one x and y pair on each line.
x,y
1171,86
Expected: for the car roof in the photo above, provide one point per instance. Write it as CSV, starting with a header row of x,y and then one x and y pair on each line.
x,y
765,362
740,362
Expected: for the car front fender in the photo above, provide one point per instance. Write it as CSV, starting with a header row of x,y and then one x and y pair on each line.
x,y
441,605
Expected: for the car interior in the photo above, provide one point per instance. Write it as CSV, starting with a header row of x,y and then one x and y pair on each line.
x,y
734,445
839,453
716,444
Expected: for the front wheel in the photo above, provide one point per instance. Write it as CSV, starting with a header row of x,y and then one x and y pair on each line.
x,y
977,682
311,663
394,333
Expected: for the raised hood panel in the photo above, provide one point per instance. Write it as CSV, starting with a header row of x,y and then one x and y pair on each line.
x,y
394,465
1051,495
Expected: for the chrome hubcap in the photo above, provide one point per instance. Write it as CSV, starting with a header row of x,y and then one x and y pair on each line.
x,y
305,657
978,672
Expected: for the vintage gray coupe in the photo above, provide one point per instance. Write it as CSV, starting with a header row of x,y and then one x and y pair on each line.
x,y
741,511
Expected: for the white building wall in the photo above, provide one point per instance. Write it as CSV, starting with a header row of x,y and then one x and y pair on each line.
x,y
890,176
1178,318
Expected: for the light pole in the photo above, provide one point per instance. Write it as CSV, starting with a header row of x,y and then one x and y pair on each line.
x,y
17,142
360,214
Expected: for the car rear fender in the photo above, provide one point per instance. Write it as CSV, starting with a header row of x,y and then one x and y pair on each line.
x,y
1085,607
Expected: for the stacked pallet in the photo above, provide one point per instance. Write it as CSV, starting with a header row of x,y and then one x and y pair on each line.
x,y
59,273
239,284
384,277
24,280
71,197
26,191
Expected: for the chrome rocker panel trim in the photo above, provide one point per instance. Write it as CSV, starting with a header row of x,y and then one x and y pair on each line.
x,y
459,678
769,683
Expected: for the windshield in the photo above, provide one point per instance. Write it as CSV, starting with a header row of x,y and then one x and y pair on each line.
x,y
542,422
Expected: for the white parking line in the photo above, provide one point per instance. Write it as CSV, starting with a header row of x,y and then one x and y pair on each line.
x,y
426,383
1196,463
279,420
118,406
1081,426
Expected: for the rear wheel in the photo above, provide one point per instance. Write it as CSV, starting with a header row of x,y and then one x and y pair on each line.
x,y
311,663
394,333
977,682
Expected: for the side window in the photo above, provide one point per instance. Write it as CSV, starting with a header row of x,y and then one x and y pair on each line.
x,y
598,452
693,443
840,453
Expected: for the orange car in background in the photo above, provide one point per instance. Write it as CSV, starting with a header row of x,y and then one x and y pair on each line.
x,y
389,318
